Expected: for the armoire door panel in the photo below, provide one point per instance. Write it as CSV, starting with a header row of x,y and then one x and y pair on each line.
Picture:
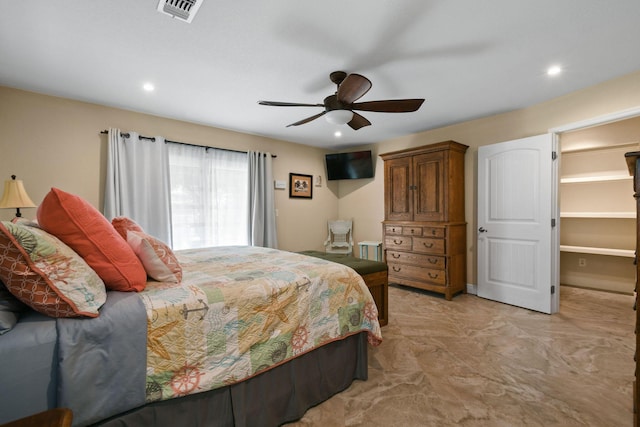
x,y
399,204
428,170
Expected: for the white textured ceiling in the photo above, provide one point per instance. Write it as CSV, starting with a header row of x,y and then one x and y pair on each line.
x,y
468,58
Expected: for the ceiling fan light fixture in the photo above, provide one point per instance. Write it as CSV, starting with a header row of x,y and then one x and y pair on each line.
x,y
554,70
339,117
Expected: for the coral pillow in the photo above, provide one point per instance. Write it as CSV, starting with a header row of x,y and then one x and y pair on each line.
x,y
122,224
45,274
159,261
78,224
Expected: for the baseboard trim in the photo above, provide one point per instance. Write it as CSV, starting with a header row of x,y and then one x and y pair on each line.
x,y
472,289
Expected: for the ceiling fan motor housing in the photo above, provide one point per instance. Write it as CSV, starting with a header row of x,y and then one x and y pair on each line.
x,y
331,103
337,77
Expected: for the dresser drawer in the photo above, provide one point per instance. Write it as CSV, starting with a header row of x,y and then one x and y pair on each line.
x,y
430,261
398,242
414,272
412,231
433,232
392,229
430,246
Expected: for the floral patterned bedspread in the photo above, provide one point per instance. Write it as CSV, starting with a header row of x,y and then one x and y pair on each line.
x,y
242,310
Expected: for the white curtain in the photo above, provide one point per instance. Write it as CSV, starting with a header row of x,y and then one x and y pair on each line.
x,y
261,225
208,196
138,183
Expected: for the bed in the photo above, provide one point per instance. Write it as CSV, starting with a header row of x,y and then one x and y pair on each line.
x,y
374,273
247,336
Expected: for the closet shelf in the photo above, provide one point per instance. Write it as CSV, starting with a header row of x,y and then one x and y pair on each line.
x,y
628,253
604,215
595,178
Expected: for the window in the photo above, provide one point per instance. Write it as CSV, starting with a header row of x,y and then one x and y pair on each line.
x,y
209,201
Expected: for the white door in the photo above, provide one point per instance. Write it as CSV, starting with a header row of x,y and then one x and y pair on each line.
x,y
518,248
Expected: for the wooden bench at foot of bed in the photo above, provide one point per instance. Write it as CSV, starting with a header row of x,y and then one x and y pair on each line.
x,y
374,273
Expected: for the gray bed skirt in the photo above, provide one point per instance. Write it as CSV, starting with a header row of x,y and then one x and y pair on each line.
x,y
275,397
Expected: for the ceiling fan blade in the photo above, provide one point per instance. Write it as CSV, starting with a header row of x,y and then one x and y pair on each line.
x,y
288,104
307,120
352,88
389,105
358,122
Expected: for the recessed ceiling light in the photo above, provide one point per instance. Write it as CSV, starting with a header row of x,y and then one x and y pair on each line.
x,y
337,134
554,70
148,87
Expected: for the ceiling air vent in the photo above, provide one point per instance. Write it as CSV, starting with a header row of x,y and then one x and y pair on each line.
x,y
184,10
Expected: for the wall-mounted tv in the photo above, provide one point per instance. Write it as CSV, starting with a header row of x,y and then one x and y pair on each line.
x,y
354,165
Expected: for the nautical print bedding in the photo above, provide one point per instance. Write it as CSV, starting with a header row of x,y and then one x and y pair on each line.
x,y
242,310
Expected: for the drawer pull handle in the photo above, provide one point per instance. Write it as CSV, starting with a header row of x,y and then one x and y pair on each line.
x,y
397,242
433,276
396,256
396,269
433,232
428,245
433,260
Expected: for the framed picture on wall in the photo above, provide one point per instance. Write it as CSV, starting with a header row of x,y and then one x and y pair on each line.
x,y
300,185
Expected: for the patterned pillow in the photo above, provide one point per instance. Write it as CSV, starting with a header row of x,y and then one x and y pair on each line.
x,y
81,226
158,259
122,224
46,274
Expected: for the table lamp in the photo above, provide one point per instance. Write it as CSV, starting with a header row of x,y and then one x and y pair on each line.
x,y
15,196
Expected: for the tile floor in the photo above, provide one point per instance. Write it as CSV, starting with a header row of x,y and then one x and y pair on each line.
x,y
474,362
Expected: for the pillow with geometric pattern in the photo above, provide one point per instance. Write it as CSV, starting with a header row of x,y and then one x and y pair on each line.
x,y
122,224
47,275
158,259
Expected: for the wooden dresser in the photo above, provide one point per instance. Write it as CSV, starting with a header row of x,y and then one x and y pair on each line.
x,y
424,228
633,162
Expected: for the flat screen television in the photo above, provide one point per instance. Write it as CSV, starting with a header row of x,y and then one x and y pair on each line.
x,y
354,165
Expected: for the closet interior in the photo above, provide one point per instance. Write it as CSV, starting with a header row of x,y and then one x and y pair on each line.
x,y
597,208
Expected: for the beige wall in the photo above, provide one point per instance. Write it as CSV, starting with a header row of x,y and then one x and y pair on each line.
x,y
612,96
50,141
361,201
55,142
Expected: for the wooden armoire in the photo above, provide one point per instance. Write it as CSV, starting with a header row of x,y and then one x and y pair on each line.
x,y
633,162
424,228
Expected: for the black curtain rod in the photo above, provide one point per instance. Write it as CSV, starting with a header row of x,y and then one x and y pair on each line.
x,y
151,138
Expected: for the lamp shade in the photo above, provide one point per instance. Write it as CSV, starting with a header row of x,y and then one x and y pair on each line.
x,y
339,117
15,196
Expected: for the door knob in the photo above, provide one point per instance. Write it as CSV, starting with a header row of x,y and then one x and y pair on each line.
x,y
482,230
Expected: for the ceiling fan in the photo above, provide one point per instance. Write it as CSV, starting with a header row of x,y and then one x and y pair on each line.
x,y
339,107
